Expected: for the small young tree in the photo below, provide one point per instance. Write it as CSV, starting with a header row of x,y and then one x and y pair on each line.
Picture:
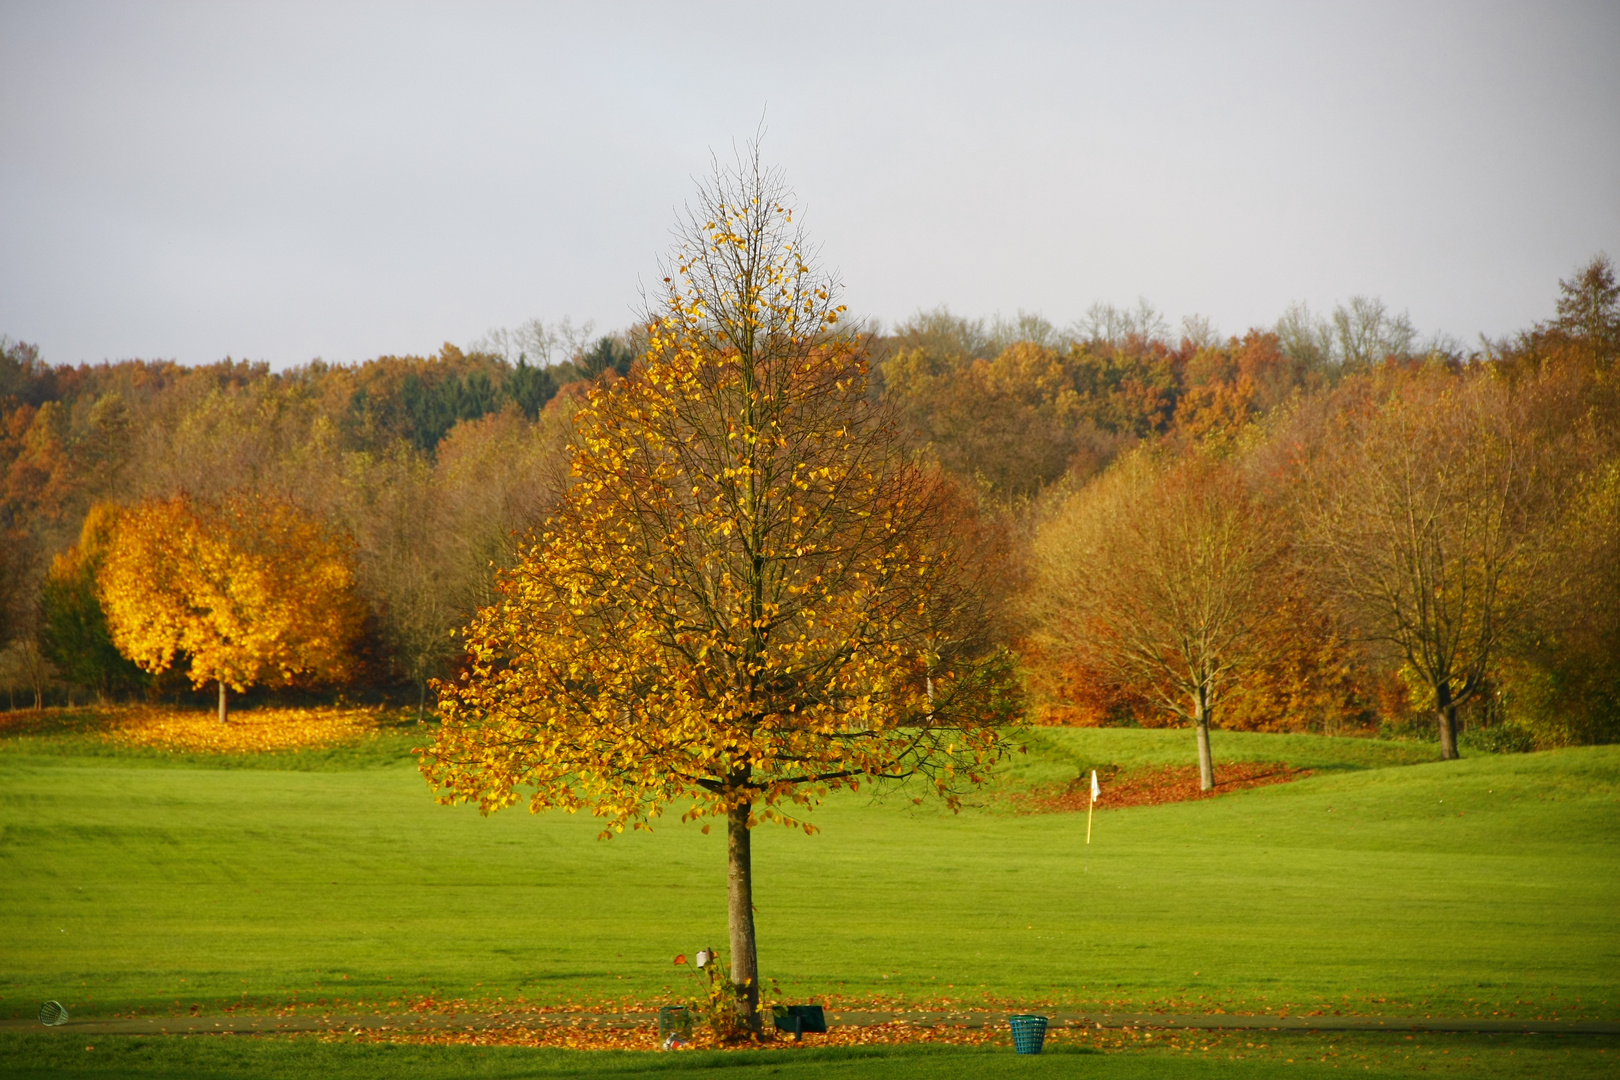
x,y
1589,310
1162,577
749,596
251,591
24,667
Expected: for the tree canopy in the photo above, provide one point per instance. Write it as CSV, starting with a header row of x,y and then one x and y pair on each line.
x,y
249,590
1163,578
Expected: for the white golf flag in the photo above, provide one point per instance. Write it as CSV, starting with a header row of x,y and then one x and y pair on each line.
x,y
1090,809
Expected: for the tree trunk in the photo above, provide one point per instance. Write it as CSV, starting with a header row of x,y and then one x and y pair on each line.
x,y
421,701
1446,715
740,903
222,701
1206,763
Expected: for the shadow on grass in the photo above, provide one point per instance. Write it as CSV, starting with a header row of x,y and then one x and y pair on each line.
x,y
213,1056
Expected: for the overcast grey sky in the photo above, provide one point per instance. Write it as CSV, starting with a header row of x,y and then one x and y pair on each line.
x,y
284,181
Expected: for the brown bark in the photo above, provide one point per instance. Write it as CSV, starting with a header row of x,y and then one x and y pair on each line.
x,y
1206,763
222,701
1446,715
740,905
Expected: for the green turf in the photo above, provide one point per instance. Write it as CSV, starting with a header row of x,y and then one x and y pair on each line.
x,y
1490,885
194,1058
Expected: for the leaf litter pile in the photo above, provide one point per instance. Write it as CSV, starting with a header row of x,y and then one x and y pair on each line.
x,y
581,1033
1151,786
1391,1049
609,1024
249,731
578,1033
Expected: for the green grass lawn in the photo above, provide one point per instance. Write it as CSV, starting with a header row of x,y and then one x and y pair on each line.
x,y
196,1058
1490,885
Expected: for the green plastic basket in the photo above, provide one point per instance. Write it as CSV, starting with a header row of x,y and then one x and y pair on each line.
x,y
1029,1032
52,1014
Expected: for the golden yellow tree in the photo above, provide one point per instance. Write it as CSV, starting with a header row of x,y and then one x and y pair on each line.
x,y
748,597
249,591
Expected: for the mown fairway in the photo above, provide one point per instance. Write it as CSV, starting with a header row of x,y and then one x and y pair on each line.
x,y
1489,885
208,1058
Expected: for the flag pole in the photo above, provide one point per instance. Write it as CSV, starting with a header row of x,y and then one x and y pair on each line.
x,y
1090,807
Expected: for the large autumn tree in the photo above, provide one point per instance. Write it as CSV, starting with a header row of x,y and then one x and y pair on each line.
x,y
749,596
249,591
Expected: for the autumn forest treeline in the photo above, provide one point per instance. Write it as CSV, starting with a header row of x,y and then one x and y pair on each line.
x,y
1326,525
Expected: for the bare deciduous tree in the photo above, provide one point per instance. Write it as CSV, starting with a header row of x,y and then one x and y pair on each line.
x,y
1419,502
23,666
431,532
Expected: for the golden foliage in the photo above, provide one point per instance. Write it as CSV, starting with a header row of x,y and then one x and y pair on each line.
x,y
748,597
250,591
250,732
724,613
95,536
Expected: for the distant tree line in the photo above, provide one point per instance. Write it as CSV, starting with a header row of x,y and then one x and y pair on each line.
x,y
1328,524
426,464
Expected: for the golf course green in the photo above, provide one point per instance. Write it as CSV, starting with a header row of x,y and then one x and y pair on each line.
x,y
1385,883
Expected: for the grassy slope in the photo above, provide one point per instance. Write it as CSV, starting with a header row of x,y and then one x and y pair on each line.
x,y
1437,888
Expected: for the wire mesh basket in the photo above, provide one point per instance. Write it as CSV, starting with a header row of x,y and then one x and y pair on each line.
x,y
52,1014
1029,1033
674,1022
